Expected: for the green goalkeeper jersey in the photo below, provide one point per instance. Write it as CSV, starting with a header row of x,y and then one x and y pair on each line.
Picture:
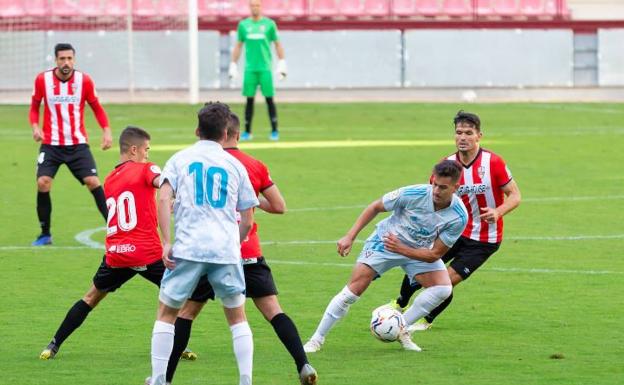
x,y
257,36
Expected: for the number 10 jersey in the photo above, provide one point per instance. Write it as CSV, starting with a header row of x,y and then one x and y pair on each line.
x,y
132,226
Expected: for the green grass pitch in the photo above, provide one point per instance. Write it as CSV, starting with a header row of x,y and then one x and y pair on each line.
x,y
546,309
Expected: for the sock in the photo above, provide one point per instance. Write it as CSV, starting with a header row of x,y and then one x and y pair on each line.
x,y
272,113
287,332
243,350
100,201
74,318
336,310
180,341
426,301
407,290
162,344
436,312
249,110
44,211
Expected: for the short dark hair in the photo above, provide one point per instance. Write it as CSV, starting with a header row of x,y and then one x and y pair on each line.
x,y
132,136
213,120
463,117
233,125
448,168
63,47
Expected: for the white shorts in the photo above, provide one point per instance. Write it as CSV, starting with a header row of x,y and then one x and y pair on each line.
x,y
178,284
375,255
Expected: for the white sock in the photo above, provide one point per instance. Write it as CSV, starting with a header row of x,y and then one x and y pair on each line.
x,y
426,301
162,345
336,310
243,350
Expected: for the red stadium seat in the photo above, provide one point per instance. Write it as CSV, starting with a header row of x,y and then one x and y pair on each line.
x,y
276,8
377,7
115,8
236,8
209,8
324,8
485,8
11,8
297,8
91,8
404,8
351,7
550,8
427,7
532,7
172,8
456,8
506,8
143,8
35,7
65,8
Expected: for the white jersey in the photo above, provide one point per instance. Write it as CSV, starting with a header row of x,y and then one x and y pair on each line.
x,y
210,186
415,221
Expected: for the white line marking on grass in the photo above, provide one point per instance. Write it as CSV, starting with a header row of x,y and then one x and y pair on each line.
x,y
43,248
323,144
85,238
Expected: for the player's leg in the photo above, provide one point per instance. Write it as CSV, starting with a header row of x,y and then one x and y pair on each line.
x,y
82,166
228,283
250,85
176,286
106,280
48,162
437,287
338,307
268,91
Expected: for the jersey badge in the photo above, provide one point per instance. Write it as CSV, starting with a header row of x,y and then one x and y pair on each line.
x,y
481,171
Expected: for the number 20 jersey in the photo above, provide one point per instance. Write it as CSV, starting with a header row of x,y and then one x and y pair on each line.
x,y
132,225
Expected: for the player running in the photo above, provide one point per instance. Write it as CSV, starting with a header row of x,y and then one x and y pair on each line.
x,y
63,138
426,221
489,192
257,33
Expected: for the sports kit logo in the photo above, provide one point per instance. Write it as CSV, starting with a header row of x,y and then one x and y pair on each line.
x,y
124,248
481,172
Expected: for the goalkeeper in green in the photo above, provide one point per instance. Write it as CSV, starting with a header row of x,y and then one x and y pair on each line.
x,y
257,33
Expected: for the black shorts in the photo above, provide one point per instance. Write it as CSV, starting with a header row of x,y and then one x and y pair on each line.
x,y
258,282
108,279
467,255
78,159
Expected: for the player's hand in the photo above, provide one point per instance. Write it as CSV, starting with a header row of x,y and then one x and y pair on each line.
x,y
393,244
233,70
489,214
107,139
282,70
37,134
344,245
166,256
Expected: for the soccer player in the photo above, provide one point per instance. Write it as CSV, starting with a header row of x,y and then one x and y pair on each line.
x,y
488,192
426,221
257,33
132,243
63,138
209,187
258,277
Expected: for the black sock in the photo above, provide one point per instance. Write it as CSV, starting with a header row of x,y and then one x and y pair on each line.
x,y
287,332
407,290
180,341
272,113
249,110
436,312
100,201
44,211
74,318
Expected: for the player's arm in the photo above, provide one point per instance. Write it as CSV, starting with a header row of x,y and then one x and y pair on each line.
x,y
393,244
35,102
165,199
98,111
245,223
345,243
512,200
272,201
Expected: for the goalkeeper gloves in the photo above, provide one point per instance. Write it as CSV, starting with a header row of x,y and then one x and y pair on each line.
x,y
281,69
233,70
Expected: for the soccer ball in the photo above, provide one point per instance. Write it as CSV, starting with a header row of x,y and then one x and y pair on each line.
x,y
386,323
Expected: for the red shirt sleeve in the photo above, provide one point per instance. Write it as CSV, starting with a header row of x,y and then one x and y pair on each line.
x,y
500,172
265,177
152,172
35,102
90,96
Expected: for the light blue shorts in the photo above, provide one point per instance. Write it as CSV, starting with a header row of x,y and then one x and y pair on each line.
x,y
178,284
375,255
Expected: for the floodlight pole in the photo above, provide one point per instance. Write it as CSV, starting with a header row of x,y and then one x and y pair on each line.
x,y
193,52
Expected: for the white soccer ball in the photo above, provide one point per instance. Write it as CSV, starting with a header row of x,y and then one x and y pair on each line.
x,y
387,323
